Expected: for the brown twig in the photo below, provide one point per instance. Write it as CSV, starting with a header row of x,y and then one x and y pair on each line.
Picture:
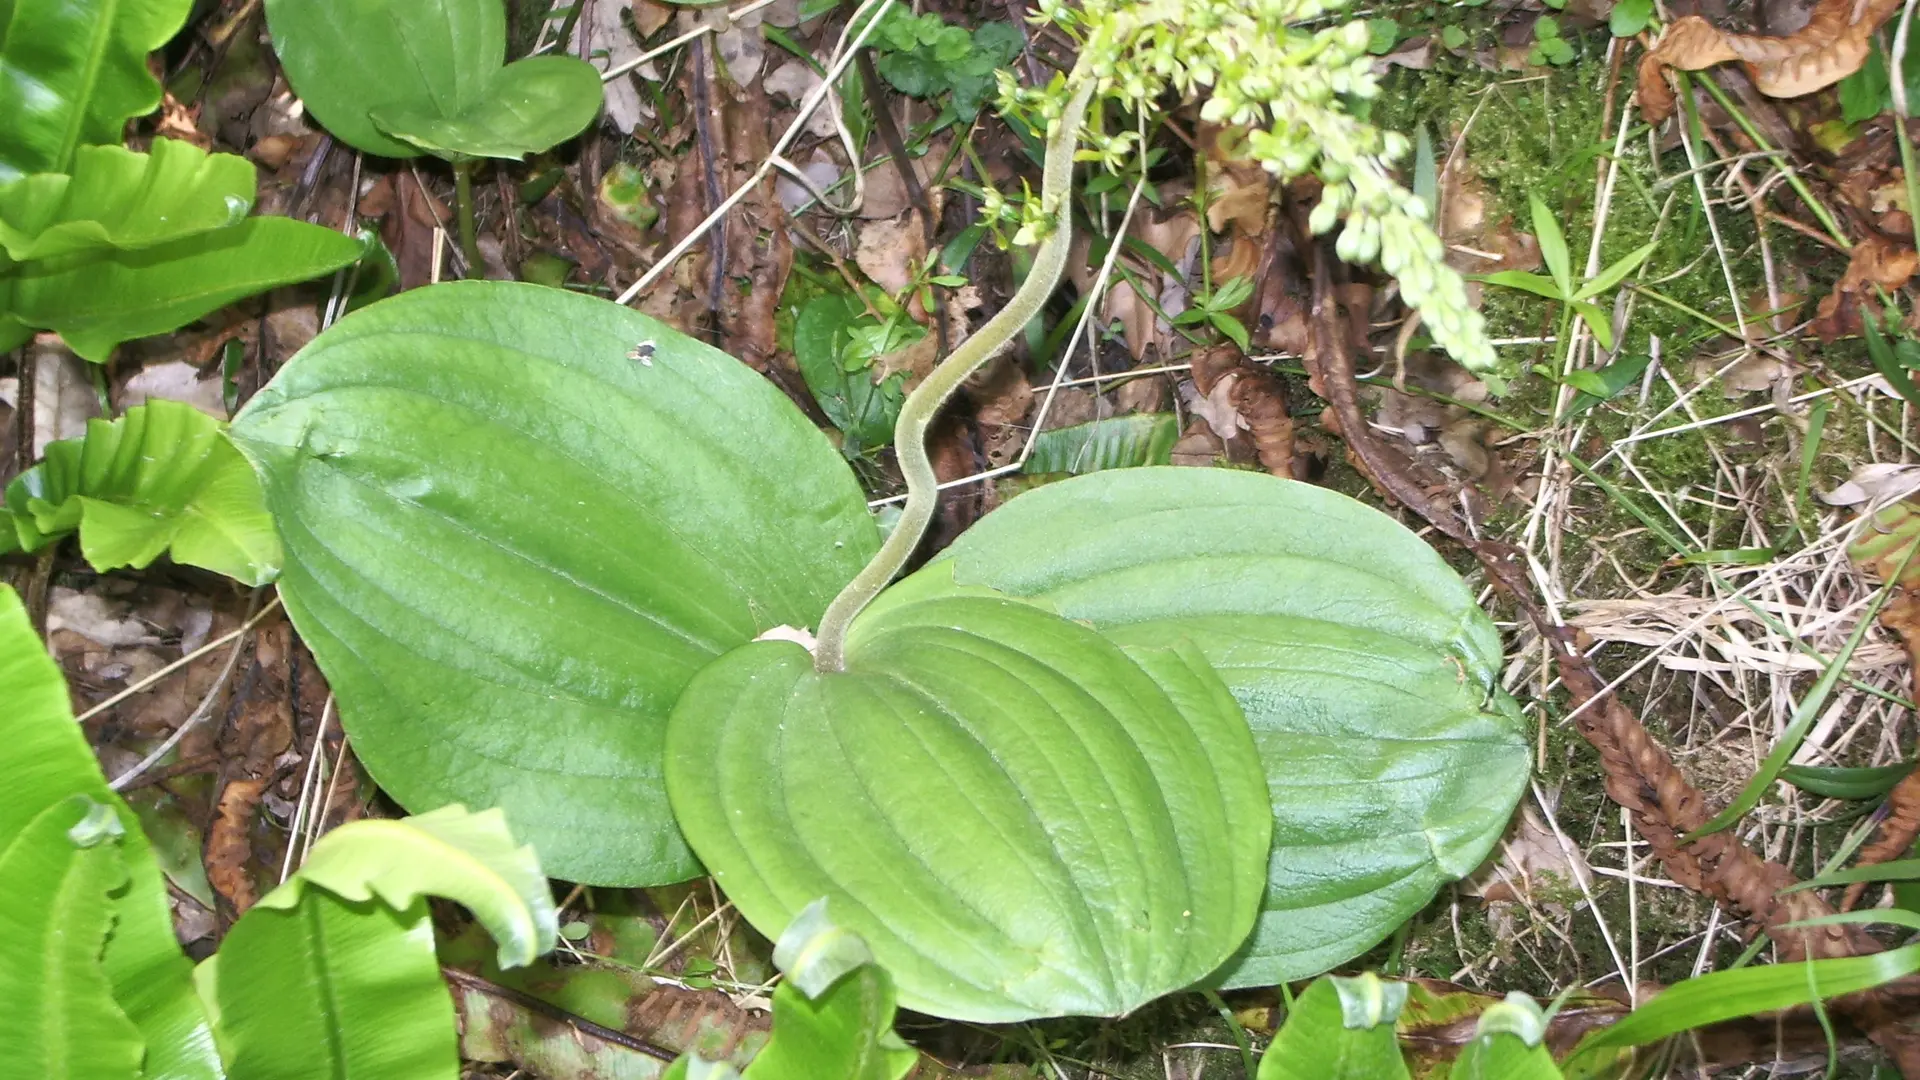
x,y
1900,823
23,407
1898,830
1640,775
704,110
916,193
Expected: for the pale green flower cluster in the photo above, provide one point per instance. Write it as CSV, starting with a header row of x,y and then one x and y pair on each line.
x,y
1283,85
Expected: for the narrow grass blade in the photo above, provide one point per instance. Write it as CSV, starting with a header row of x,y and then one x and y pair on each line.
x,y
1809,453
1841,782
1803,717
1884,361
1896,870
1725,995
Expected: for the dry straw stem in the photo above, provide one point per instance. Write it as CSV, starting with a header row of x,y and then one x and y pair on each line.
x,y
1640,774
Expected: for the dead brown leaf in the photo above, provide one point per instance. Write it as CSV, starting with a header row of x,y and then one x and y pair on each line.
x,y
1198,447
1279,316
650,15
1832,45
759,252
1876,262
1003,398
259,732
229,850
1175,237
1239,396
889,251
1238,195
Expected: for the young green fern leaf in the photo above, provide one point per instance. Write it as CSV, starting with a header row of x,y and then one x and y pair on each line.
x,y
1284,87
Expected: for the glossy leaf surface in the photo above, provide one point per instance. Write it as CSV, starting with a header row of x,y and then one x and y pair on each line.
x,y
332,988
1020,818
73,72
54,918
1366,671
347,58
528,106
162,477
510,547
46,760
116,198
465,857
1326,1038
335,973
1724,995
97,300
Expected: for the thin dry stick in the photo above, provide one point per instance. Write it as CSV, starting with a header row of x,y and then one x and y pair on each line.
x,y
200,712
807,107
196,654
300,806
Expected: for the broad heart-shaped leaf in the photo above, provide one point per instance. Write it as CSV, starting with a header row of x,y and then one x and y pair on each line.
x,y
54,918
73,72
468,858
334,973
44,760
1327,1037
528,106
97,300
1366,671
347,58
1020,818
332,988
163,477
510,547
116,198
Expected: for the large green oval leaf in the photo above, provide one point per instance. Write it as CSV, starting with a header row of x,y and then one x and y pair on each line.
x,y
528,106
73,72
1365,668
1019,817
346,58
44,759
510,547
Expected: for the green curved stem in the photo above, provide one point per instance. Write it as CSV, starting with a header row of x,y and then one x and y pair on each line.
x,y
910,434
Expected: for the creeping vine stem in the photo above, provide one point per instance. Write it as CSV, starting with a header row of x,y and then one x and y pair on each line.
x,y
910,434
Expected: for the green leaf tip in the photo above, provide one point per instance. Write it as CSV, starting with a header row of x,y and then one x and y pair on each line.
x,y
100,826
815,954
1519,1015
1367,1001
